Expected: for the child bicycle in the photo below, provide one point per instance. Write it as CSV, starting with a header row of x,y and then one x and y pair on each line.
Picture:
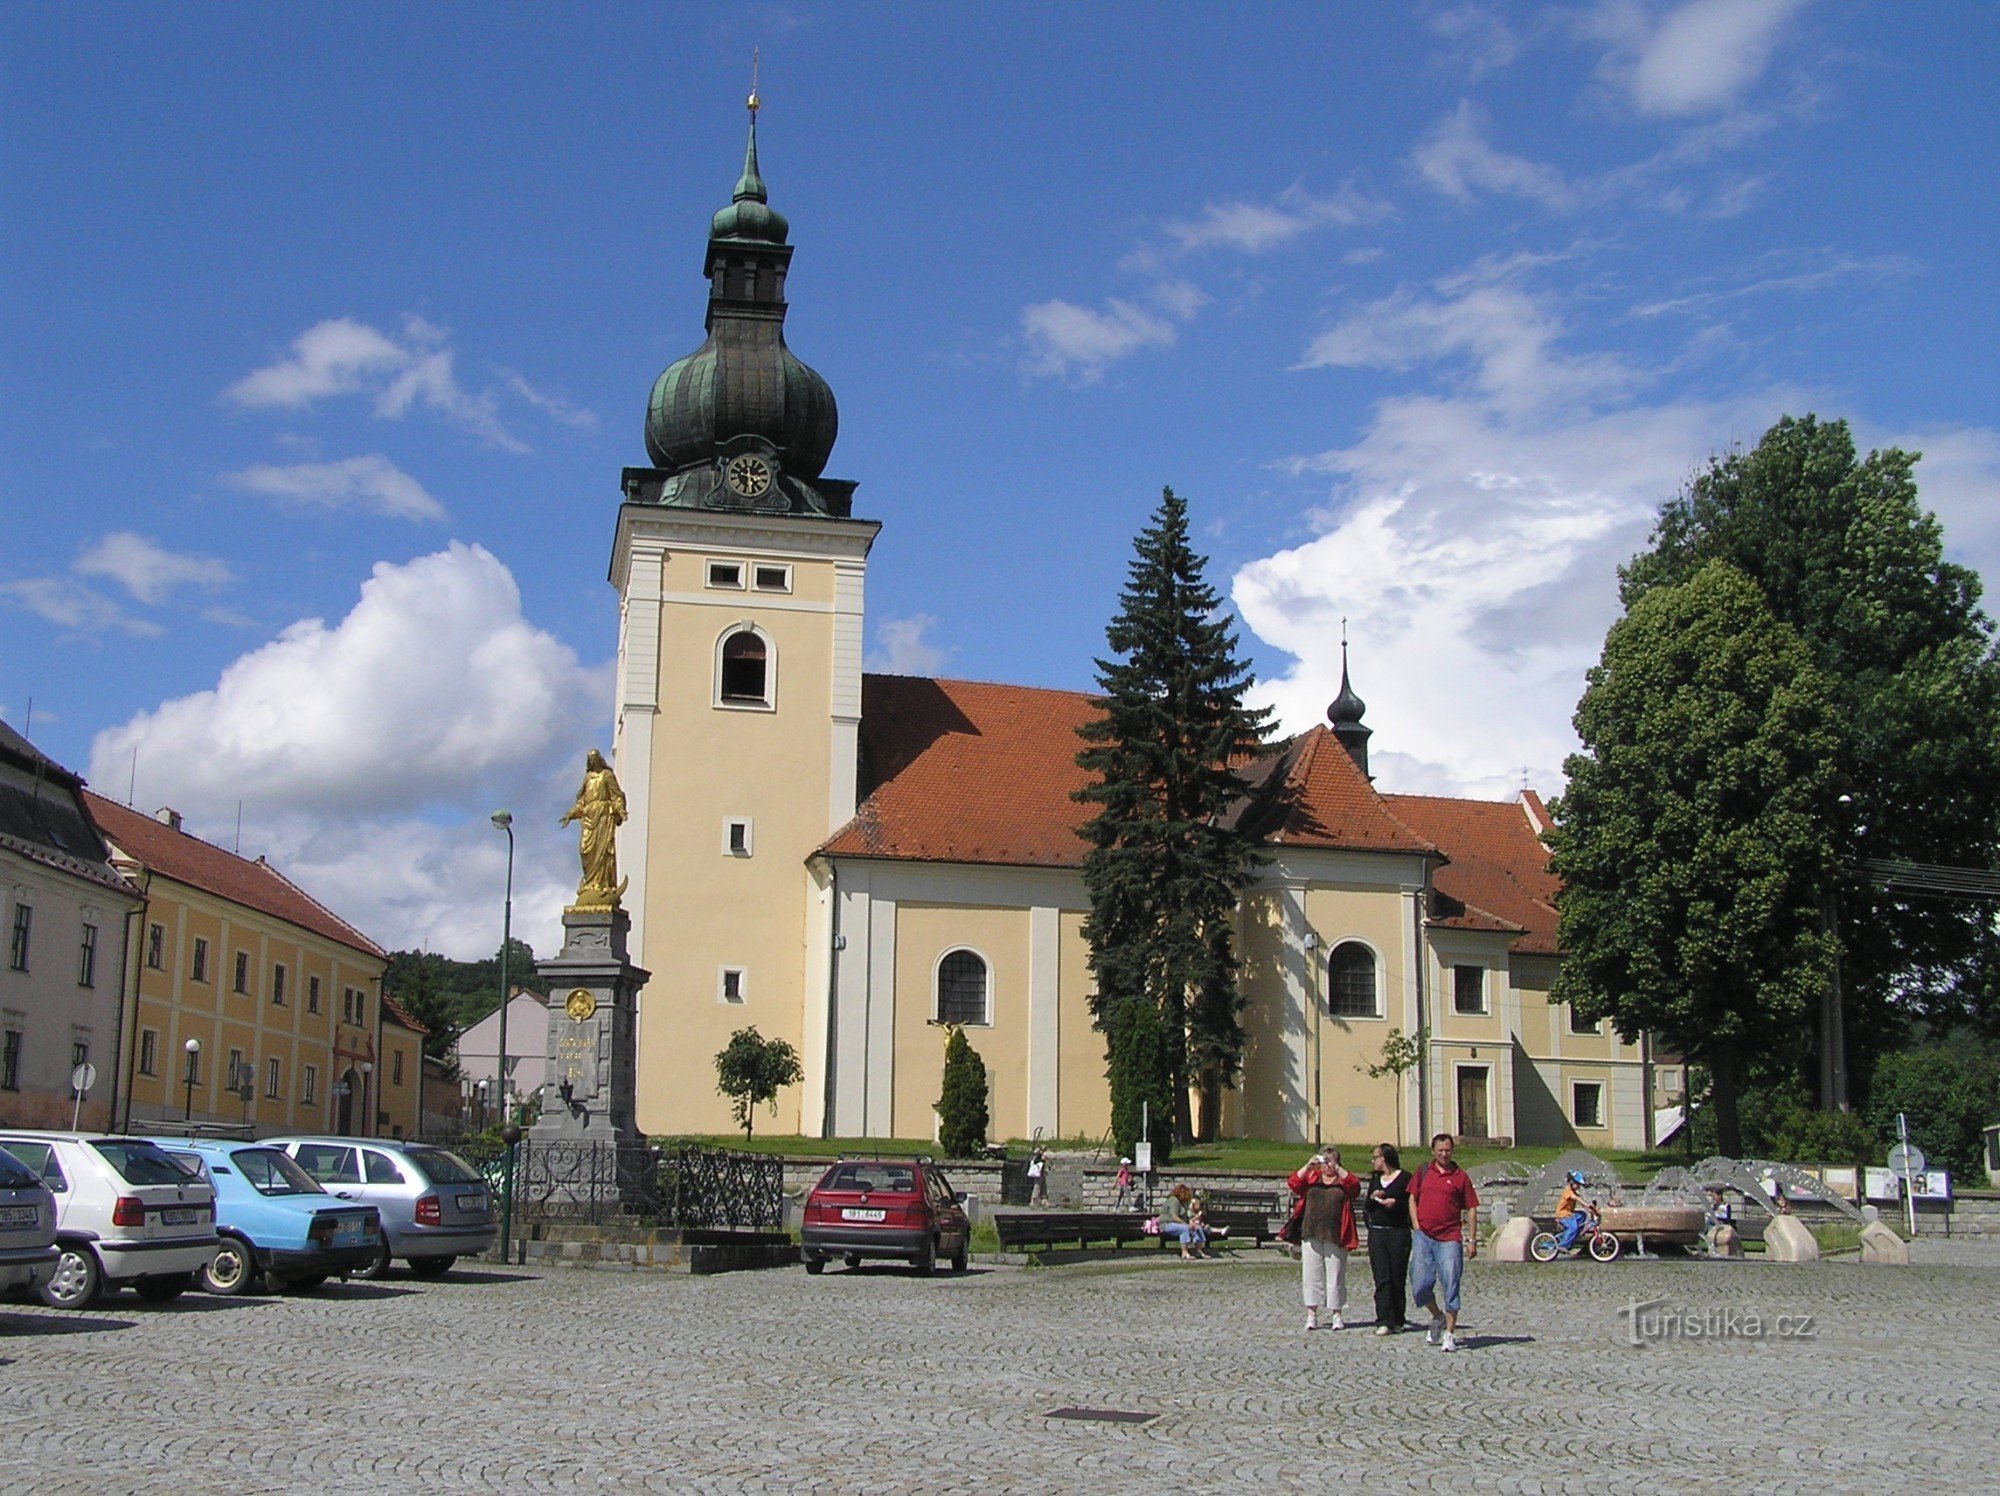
x,y
1602,1245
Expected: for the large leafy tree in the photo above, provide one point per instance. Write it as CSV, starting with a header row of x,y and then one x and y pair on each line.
x,y
1164,868
1693,840
1844,553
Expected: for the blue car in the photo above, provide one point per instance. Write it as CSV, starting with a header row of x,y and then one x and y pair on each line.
x,y
273,1219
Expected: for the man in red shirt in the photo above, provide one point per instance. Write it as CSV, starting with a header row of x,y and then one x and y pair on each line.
x,y
1444,1211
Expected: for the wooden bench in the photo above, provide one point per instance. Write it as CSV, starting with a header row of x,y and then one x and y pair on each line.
x,y
1021,1229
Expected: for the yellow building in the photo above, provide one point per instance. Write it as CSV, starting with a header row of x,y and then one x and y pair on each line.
x,y
247,1002
847,861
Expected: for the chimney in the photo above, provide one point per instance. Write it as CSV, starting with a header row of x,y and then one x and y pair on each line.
x,y
167,816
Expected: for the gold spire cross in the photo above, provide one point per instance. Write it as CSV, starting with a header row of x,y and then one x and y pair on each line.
x,y
753,79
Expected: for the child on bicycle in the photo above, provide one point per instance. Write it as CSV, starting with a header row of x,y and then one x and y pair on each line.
x,y
1572,1212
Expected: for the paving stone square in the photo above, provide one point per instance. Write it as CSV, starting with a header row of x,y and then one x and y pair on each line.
x,y
569,1380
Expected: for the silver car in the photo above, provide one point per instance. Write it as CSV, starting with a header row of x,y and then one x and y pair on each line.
x,y
27,1227
434,1205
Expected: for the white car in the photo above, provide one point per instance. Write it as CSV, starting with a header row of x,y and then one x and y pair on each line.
x,y
126,1213
27,1227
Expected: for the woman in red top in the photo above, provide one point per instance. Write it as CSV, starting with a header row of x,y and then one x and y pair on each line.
x,y
1325,1213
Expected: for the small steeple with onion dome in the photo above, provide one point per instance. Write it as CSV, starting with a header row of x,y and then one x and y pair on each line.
x,y
1345,714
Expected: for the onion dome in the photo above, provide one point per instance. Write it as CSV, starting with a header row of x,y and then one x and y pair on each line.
x,y
1345,715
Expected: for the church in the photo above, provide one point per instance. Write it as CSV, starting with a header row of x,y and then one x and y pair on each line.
x,y
852,862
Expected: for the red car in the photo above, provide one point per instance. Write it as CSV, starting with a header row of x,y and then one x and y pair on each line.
x,y
885,1207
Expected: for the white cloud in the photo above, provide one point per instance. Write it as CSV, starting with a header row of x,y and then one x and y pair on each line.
x,y
1700,57
372,483
69,604
903,647
1482,40
1958,479
1078,343
1456,159
148,570
368,754
343,357
553,406
1820,272
1256,227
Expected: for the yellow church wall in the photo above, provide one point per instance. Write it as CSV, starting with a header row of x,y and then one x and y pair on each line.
x,y
1084,1106
925,933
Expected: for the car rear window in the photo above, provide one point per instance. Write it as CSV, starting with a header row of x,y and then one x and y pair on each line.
x,y
887,1179
445,1168
272,1173
15,1175
141,1163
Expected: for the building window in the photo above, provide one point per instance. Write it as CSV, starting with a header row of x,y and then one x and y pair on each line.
x,y
354,1006
1350,981
962,988
86,960
312,994
79,1052
17,947
725,574
1468,989
736,838
272,1075
745,671
396,1068
1578,1024
198,967
1670,1079
239,1073
242,971
277,986
10,1061
1586,1103
773,578
731,990
156,947
149,1052
309,1085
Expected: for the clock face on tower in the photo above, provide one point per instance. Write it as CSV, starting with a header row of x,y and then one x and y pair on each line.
x,y
748,476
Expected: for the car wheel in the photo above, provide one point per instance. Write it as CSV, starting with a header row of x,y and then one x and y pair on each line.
x,y
926,1259
431,1267
852,1259
304,1283
958,1258
231,1270
164,1290
815,1265
375,1266
76,1282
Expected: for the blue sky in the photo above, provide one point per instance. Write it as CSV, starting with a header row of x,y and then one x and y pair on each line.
x,y
325,332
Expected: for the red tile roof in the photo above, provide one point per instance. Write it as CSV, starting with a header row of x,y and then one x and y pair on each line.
x,y
1498,874
1327,801
400,1014
190,860
966,771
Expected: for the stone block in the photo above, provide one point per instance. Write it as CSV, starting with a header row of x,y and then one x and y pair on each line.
x,y
1510,1242
1723,1241
1787,1240
1880,1244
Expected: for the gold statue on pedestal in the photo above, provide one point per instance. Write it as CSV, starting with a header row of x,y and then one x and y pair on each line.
x,y
600,811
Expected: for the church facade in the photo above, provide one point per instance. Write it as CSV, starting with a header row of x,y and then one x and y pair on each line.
x,y
852,862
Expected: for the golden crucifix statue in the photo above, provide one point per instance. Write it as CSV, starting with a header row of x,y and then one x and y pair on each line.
x,y
600,811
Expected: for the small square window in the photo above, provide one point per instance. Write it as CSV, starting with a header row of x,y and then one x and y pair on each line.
x,y
736,838
1578,1024
1587,1103
1468,989
731,986
773,578
725,574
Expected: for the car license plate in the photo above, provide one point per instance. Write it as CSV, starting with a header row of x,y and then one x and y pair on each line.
x,y
851,1214
18,1215
471,1202
350,1236
179,1216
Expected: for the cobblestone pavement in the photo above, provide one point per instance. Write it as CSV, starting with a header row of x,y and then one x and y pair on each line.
x,y
870,1380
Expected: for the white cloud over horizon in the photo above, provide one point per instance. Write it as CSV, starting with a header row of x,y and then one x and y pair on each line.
x,y
149,571
366,755
903,647
1697,57
1079,343
371,483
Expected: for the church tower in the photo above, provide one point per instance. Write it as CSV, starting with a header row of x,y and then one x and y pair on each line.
x,y
740,571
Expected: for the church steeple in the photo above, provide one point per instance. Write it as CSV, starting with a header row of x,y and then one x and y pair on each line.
x,y
741,423
1345,715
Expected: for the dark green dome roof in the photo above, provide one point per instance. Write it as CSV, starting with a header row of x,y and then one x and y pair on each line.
x,y
716,393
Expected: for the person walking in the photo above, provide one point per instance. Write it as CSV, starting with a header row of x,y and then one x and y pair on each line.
x,y
1443,1205
1038,1183
1387,1211
1325,1214
1124,1183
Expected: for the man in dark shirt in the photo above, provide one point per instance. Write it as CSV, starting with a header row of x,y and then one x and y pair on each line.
x,y
1444,1209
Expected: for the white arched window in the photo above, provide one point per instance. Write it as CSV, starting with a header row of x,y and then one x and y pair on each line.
x,y
1350,981
746,668
963,988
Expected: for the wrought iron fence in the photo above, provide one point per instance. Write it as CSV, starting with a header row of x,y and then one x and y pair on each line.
x,y
683,1185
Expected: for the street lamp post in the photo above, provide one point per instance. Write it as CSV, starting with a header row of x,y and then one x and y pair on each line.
x,y
509,1131
367,1102
193,1047
1312,1006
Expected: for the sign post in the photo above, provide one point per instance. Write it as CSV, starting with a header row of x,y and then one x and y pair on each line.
x,y
81,1080
1906,1162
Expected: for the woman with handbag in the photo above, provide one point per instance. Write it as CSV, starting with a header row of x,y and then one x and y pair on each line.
x,y
1324,1217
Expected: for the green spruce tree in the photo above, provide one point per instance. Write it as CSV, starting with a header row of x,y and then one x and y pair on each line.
x,y
1165,864
962,1111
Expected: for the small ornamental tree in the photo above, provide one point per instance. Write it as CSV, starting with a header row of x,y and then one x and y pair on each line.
x,y
962,1114
1141,1068
751,1070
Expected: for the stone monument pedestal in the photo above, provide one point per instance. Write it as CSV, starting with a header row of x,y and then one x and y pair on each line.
x,y
591,1094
